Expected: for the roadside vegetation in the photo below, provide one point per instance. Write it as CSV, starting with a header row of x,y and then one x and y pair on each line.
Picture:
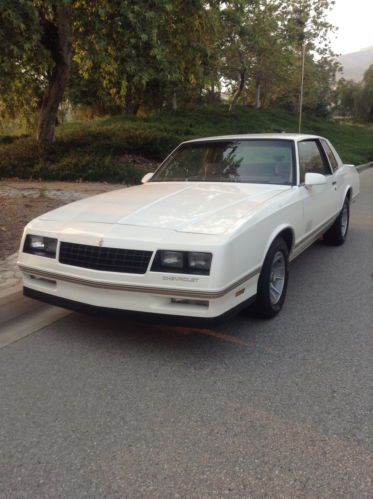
x,y
148,75
139,58
123,148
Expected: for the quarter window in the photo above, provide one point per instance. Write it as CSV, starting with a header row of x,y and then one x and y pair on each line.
x,y
330,155
311,159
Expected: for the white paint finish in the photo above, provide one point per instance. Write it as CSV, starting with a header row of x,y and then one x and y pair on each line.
x,y
255,136
235,222
318,201
200,207
312,179
145,302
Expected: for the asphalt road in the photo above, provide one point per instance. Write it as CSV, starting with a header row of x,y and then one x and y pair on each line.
x,y
95,408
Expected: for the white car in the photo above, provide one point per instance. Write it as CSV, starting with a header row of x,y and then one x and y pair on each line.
x,y
211,231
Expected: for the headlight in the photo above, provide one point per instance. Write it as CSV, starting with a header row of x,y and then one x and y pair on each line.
x,y
40,246
199,261
174,259
182,262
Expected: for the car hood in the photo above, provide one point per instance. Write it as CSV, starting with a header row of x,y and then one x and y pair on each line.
x,y
204,208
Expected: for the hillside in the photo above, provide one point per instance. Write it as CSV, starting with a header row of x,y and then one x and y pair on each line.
x,y
122,148
356,63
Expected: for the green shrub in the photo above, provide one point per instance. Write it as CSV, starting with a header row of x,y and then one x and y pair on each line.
x,y
95,150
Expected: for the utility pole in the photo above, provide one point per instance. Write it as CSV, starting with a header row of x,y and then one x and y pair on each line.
x,y
301,14
301,87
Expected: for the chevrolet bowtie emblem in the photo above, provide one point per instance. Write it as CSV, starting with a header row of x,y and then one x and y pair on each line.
x,y
101,242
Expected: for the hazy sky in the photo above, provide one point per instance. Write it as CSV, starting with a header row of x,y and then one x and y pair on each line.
x,y
354,18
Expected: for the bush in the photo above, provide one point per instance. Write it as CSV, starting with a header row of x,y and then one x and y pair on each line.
x,y
101,150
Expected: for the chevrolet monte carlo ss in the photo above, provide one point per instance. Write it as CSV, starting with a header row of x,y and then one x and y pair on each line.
x,y
210,232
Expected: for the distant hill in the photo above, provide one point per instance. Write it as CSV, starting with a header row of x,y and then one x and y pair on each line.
x,y
356,63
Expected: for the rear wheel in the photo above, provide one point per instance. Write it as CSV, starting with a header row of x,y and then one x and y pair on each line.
x,y
337,233
273,281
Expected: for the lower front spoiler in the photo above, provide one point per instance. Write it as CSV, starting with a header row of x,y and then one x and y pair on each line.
x,y
172,320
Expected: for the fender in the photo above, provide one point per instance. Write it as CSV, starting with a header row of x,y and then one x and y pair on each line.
x,y
347,189
275,233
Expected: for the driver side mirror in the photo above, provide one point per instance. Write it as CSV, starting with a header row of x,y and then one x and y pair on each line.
x,y
314,179
147,177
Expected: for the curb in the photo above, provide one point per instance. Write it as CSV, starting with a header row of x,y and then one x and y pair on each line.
x,y
11,294
361,168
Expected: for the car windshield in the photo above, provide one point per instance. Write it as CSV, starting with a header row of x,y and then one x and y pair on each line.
x,y
249,161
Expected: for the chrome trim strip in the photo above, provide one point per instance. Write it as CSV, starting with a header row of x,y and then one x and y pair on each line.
x,y
138,289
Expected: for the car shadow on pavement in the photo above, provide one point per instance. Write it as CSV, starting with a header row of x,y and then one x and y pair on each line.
x,y
238,333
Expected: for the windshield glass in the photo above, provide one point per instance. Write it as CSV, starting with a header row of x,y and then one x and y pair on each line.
x,y
251,161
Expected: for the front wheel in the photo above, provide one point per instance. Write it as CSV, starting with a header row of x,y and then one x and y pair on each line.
x,y
337,233
273,281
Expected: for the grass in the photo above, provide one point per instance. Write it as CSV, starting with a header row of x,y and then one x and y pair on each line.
x,y
123,148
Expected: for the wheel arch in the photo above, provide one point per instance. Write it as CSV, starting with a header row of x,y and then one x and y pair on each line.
x,y
348,193
284,231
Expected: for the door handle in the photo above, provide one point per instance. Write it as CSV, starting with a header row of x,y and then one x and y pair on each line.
x,y
334,182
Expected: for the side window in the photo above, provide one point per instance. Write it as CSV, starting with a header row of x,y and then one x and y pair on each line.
x,y
330,155
311,159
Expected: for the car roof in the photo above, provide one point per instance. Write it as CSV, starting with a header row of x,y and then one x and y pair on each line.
x,y
274,136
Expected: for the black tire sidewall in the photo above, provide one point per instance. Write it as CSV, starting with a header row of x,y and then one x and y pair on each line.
x,y
334,235
264,305
344,236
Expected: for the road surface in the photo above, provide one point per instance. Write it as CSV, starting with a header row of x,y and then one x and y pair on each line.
x,y
95,408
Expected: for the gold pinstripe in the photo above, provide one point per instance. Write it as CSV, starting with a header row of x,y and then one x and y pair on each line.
x,y
139,289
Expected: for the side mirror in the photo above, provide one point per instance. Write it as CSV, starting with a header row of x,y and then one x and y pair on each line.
x,y
314,179
147,177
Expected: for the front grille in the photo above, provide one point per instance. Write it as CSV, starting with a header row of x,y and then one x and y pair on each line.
x,y
107,259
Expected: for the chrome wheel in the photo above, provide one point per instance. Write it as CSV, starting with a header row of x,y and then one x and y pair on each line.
x,y
277,277
344,220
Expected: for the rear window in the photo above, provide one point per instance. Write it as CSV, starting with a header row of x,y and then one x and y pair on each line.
x,y
329,153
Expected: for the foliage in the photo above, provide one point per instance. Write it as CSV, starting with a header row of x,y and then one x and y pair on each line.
x,y
355,100
99,150
139,57
23,61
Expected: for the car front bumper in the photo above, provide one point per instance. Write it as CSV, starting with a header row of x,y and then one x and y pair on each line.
x,y
69,290
149,317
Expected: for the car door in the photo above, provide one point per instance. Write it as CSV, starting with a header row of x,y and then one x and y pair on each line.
x,y
339,179
319,201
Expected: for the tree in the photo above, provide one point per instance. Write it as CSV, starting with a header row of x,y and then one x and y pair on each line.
x,y
236,45
308,29
55,21
364,98
147,54
346,97
35,43
125,56
23,61
355,100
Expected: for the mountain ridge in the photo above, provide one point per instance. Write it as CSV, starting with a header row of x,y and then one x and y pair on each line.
x,y
356,63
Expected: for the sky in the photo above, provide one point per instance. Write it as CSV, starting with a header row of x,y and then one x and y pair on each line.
x,y
354,18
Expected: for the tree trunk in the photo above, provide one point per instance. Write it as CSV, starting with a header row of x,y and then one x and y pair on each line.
x,y
239,89
131,100
258,104
57,38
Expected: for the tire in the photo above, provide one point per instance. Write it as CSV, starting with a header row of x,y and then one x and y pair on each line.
x,y
337,233
268,303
